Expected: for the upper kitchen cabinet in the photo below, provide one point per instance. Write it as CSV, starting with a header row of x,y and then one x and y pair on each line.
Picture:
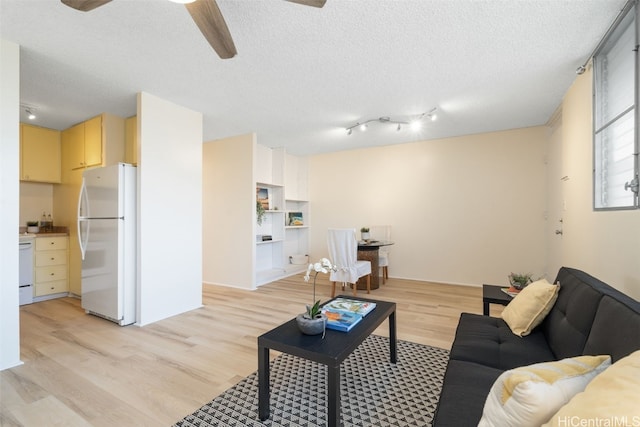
x,y
131,140
96,142
93,142
39,154
73,146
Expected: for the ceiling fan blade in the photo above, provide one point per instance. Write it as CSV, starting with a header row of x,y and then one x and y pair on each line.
x,y
314,3
84,5
208,18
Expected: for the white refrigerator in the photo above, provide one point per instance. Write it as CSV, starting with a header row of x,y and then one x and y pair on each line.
x,y
107,234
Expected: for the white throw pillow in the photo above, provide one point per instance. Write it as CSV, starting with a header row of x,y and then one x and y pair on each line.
x,y
531,395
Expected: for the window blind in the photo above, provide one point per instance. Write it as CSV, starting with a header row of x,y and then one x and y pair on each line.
x,y
614,116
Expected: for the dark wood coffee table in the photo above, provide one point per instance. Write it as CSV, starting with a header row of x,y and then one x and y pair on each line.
x,y
331,351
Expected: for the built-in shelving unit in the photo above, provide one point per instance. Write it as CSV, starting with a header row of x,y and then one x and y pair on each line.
x,y
288,206
234,253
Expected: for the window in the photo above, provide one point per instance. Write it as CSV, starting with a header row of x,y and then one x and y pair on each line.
x,y
615,142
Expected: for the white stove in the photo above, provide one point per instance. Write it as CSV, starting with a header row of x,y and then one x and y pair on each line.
x,y
25,277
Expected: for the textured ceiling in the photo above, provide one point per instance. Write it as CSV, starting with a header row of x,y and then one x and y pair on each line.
x,y
303,74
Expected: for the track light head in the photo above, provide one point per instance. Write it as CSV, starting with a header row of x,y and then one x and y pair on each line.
x,y
580,70
349,131
29,110
363,127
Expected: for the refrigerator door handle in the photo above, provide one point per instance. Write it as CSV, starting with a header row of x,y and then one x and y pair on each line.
x,y
82,202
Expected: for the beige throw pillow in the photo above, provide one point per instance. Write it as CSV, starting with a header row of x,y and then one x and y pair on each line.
x,y
531,395
530,307
612,398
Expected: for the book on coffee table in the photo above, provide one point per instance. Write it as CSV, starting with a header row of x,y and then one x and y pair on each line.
x,y
341,320
350,306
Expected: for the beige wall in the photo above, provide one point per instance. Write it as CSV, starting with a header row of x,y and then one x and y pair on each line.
x,y
469,210
466,210
604,244
35,198
228,211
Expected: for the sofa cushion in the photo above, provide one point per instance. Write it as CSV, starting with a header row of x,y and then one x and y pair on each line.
x,y
530,395
611,396
462,400
489,341
530,307
616,328
568,324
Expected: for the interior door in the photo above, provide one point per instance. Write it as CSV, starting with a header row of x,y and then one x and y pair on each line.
x,y
555,202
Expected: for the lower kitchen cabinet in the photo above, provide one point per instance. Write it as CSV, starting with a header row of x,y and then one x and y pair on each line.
x,y
51,267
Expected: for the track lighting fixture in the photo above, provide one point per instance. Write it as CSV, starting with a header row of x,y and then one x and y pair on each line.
x,y
415,124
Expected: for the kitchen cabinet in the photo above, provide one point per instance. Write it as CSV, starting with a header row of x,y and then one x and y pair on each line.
x,y
51,268
73,146
98,141
131,140
93,142
40,158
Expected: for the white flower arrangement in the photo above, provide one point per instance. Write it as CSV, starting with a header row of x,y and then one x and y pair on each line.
x,y
323,266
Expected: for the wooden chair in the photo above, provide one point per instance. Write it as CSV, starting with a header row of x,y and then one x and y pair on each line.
x,y
343,251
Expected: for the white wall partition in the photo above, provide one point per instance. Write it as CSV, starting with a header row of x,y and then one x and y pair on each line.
x,y
9,203
169,209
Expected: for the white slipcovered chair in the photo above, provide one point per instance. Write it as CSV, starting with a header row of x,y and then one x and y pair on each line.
x,y
382,233
343,251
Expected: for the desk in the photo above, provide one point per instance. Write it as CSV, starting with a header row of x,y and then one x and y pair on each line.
x,y
368,251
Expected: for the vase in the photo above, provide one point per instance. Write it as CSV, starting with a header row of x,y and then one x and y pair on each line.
x,y
313,326
365,235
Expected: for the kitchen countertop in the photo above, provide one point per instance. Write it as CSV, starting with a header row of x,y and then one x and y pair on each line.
x,y
57,232
51,234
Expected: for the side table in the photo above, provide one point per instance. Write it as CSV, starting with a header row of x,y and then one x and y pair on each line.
x,y
492,294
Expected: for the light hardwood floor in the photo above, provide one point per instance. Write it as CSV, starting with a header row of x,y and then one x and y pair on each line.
x,y
81,370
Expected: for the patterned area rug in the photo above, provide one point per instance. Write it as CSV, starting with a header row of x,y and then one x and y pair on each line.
x,y
373,391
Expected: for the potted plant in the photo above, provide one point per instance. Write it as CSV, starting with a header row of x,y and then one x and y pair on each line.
x,y
518,280
364,232
312,321
260,212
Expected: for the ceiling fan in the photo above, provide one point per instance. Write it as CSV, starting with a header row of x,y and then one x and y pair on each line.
x,y
205,14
